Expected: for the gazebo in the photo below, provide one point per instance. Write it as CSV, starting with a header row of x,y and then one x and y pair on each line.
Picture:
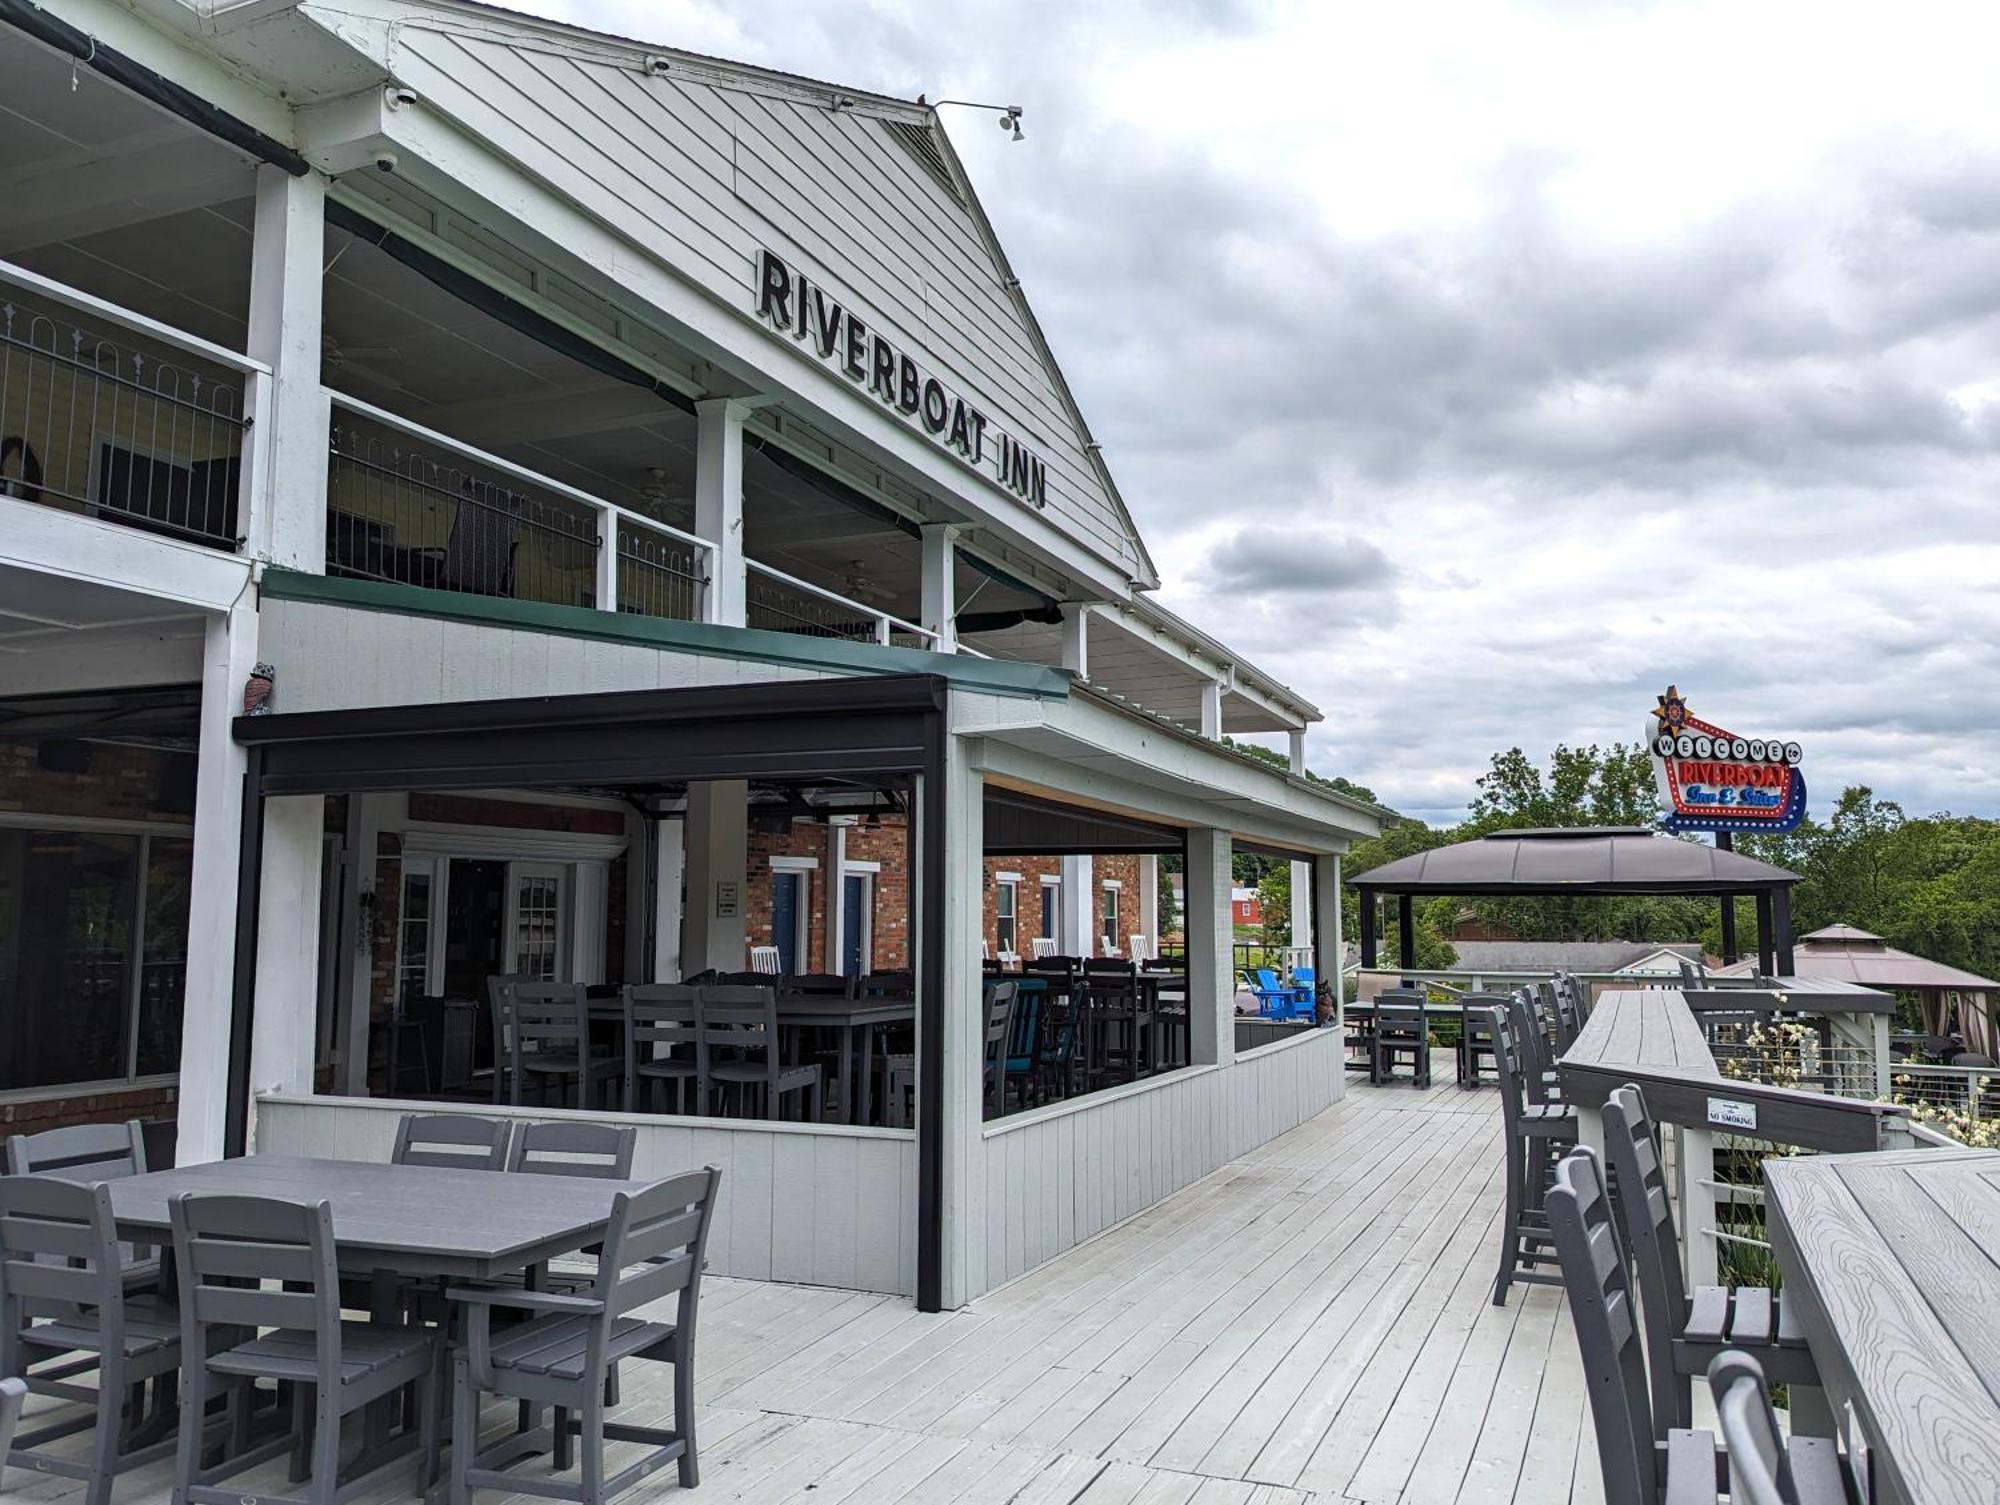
x,y
1582,860
1851,954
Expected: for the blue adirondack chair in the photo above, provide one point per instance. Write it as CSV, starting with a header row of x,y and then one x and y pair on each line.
x,y
1274,999
1304,987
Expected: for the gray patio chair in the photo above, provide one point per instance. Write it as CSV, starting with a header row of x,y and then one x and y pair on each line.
x,y
1475,1036
737,1051
1531,1046
1532,1136
500,1016
230,1252
662,1021
1680,1468
64,1308
13,1395
457,1141
1685,1336
1000,998
87,1153
1764,1467
549,1042
562,1355
602,1151
1402,1028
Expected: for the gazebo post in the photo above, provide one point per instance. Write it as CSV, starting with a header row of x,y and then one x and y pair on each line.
x,y
1729,951
1367,896
1766,962
1781,920
1405,910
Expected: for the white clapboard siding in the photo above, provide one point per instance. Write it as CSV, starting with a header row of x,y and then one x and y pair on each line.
x,y
820,1205
703,175
341,657
1056,1176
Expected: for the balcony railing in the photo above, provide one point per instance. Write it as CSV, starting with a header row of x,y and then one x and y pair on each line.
x,y
411,505
114,415
784,603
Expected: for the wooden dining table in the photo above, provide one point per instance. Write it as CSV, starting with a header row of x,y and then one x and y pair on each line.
x,y
1892,1260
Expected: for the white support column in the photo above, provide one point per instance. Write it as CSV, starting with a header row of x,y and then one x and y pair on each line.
x,y
718,818
1078,929
287,253
1211,709
940,585
718,505
1296,742
368,816
1328,946
229,651
836,894
669,870
1076,640
1303,930
1210,948
288,946
1149,905
963,1088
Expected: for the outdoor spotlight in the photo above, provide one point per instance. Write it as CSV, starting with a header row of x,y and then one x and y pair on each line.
x,y
1012,119
1010,115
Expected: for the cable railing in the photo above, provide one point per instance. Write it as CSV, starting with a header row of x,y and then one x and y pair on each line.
x,y
113,415
779,602
410,505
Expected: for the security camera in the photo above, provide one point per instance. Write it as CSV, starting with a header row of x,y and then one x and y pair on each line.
x,y
385,161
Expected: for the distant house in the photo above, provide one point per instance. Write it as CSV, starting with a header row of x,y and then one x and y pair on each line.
x,y
1641,958
1245,907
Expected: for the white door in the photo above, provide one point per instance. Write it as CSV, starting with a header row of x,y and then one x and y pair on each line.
x,y
538,919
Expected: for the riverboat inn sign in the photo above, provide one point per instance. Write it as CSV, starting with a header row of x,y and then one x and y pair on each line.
x,y
795,305
1713,780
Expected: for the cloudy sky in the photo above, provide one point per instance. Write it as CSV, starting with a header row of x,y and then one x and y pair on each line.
x,y
1479,368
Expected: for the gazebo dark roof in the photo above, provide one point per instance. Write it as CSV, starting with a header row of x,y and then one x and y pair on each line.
x,y
1576,860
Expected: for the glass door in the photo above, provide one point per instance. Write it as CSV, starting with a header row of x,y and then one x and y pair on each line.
x,y
857,924
538,920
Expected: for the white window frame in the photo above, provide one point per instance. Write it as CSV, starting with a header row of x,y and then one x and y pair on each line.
x,y
1110,889
871,873
1007,949
802,868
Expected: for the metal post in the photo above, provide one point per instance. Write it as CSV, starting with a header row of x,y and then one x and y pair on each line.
x,y
1366,900
1781,919
1766,962
1406,920
1725,842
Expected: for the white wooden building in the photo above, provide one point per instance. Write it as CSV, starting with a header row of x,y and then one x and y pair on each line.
x,y
642,446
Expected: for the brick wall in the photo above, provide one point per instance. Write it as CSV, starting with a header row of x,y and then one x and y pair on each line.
x,y
1032,894
886,845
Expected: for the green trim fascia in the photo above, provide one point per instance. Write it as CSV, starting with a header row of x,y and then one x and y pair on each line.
x,y
753,644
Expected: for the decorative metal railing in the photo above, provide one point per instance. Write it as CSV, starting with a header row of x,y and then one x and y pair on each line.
x,y
779,602
110,414
411,505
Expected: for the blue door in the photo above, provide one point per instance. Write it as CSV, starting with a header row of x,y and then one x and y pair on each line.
x,y
785,920
857,925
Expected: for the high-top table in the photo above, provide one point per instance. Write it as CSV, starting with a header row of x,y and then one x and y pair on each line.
x,y
1892,1260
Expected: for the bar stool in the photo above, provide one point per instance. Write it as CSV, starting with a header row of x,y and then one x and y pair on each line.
x,y
1533,1135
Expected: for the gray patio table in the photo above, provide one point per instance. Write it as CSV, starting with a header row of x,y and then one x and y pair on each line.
x,y
1891,1260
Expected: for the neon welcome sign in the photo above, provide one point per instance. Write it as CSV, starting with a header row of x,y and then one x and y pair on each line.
x,y
1714,780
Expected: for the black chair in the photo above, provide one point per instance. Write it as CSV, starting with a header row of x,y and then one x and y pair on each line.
x,y
1475,1038
1000,998
13,1396
550,1043
737,1053
1402,1028
1685,1336
90,1153
1532,1136
457,1141
64,1312
230,1251
1681,1467
662,1023
563,1354
1764,1467
1121,1024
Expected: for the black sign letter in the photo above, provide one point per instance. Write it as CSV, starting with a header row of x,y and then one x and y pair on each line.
x,y
774,290
857,349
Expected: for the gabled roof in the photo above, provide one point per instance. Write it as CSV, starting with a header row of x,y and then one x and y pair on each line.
x,y
1847,954
703,164
1566,956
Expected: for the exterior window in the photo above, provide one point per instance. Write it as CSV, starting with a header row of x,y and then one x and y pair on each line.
x,y
538,923
93,948
1110,922
1051,907
1005,930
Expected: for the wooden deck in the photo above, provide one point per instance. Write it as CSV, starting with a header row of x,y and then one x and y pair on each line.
x,y
1310,1323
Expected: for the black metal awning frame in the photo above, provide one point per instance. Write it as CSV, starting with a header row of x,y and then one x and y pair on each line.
x,y
888,727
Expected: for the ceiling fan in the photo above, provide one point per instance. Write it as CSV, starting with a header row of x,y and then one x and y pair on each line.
x,y
858,585
358,359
